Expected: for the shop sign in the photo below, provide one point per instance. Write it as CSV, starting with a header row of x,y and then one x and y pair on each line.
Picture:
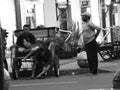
x,y
115,9
85,3
116,1
107,2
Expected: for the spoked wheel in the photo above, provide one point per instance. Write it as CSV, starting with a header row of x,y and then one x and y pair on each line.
x,y
57,70
106,55
15,71
15,74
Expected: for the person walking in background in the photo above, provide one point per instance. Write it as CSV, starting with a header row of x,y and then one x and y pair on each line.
x,y
90,33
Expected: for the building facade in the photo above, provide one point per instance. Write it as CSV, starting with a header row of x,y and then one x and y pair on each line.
x,y
16,13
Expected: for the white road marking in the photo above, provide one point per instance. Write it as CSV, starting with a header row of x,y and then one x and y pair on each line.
x,y
102,89
51,83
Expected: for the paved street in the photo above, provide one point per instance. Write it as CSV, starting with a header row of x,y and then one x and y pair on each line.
x,y
72,78
73,82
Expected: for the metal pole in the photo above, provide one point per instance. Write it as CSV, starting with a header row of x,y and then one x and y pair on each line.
x,y
111,20
103,15
1,63
18,14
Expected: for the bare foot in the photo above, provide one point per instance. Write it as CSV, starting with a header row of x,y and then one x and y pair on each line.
x,y
32,77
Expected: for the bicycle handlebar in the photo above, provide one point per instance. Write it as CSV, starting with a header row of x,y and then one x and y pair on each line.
x,y
69,32
113,27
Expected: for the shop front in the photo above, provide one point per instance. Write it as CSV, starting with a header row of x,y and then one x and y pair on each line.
x,y
111,18
32,12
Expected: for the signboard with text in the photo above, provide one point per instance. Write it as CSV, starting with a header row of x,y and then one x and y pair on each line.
x,y
85,3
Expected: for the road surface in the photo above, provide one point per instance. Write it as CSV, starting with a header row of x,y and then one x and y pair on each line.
x,y
102,81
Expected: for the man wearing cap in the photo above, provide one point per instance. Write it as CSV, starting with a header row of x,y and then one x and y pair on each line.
x,y
90,33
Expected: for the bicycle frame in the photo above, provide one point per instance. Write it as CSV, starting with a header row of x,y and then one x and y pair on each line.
x,y
107,50
107,34
69,32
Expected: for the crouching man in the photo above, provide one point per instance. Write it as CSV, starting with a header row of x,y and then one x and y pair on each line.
x,y
41,59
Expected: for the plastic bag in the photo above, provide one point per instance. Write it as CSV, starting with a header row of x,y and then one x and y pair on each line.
x,y
82,60
82,55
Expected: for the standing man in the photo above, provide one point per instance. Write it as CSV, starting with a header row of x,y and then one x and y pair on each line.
x,y
90,33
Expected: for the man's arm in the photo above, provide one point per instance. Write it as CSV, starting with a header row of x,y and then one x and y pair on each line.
x,y
97,28
30,53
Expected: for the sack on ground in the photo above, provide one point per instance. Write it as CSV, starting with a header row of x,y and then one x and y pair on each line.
x,y
82,60
82,55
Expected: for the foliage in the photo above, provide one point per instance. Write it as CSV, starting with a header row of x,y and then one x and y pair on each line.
x,y
69,48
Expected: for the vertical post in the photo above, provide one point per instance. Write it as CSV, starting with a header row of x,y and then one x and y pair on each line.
x,y
111,19
56,9
1,63
103,15
18,14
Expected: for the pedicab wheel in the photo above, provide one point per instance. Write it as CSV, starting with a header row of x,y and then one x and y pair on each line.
x,y
57,70
105,54
15,72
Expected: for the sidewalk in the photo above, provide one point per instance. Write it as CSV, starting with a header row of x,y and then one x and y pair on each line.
x,y
70,66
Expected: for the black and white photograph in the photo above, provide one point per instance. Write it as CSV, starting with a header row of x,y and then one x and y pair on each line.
x,y
60,45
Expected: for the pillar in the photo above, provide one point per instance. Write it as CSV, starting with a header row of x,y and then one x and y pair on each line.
x,y
1,63
18,14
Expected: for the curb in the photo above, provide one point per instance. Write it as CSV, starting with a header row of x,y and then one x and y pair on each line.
x,y
69,72
70,67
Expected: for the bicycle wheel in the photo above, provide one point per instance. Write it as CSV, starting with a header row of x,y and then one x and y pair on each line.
x,y
15,70
105,54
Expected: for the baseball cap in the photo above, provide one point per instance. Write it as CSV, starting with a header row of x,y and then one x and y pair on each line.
x,y
86,14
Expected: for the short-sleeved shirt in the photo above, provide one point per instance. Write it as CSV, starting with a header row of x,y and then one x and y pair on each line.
x,y
89,32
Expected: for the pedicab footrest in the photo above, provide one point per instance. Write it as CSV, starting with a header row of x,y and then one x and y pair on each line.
x,y
27,60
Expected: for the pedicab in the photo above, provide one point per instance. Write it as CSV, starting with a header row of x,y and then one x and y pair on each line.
x,y
17,63
110,50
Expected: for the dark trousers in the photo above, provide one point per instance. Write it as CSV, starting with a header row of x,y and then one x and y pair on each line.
x,y
91,50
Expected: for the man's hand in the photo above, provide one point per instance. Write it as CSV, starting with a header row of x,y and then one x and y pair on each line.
x,y
24,59
21,49
44,68
35,48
